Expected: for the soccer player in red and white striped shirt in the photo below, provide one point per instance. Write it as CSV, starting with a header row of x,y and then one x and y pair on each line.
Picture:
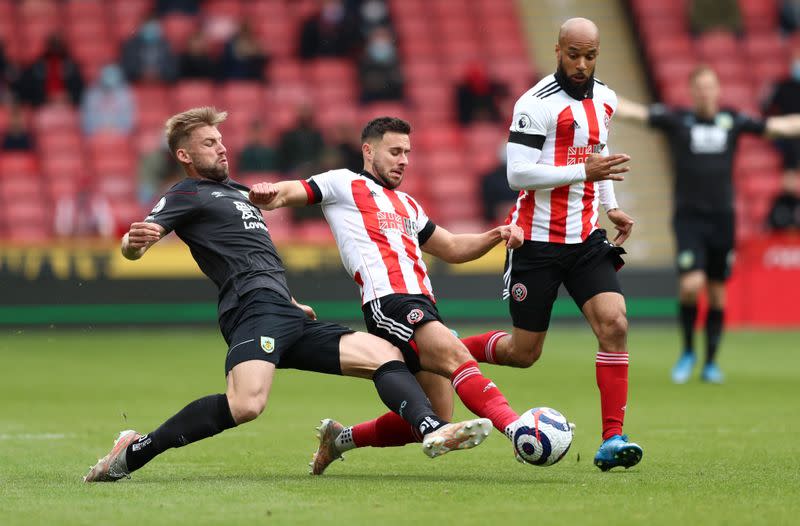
x,y
381,234
558,159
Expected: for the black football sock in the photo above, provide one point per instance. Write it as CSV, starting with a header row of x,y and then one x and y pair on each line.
x,y
401,393
688,317
713,333
203,418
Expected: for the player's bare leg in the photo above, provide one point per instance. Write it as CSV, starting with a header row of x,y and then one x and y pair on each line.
x,y
607,316
440,351
690,284
522,349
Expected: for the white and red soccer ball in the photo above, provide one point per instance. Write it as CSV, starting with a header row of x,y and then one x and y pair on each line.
x,y
542,436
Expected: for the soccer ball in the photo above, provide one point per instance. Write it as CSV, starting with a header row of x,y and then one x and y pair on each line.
x,y
542,436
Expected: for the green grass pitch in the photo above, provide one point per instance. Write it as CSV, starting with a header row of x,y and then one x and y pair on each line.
x,y
713,454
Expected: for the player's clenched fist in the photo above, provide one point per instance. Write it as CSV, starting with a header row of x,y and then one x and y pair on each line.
x,y
263,193
141,234
599,168
513,235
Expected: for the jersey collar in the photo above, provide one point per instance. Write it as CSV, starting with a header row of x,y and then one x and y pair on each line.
x,y
368,175
576,92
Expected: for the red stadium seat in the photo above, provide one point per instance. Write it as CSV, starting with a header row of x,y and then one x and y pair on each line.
x,y
70,167
224,8
193,93
759,15
442,138
177,29
717,45
18,164
52,117
312,231
58,143
20,189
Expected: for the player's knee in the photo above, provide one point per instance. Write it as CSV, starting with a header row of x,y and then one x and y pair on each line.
x,y
524,357
613,330
245,409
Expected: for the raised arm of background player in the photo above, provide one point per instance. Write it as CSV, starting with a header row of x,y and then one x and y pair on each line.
x,y
449,247
774,127
526,173
141,236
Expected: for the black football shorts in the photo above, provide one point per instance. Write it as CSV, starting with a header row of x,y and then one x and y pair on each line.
x,y
535,270
395,317
705,242
266,326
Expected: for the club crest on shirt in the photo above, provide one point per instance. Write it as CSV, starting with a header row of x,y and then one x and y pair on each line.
x,y
415,316
519,292
267,344
686,260
394,221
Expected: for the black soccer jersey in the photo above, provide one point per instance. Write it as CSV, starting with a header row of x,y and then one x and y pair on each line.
x,y
702,152
226,235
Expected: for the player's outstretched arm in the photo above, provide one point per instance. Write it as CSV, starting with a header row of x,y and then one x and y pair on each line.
x,y
269,196
460,248
139,238
524,171
783,126
631,111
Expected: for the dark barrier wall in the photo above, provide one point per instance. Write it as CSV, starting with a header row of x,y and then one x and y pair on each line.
x,y
93,284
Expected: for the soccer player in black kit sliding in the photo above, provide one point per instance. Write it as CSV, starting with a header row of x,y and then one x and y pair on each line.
x,y
702,143
262,324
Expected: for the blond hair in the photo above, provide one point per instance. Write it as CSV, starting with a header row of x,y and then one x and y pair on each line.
x,y
180,126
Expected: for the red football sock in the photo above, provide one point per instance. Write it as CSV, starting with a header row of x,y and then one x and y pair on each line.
x,y
481,396
612,379
388,430
482,346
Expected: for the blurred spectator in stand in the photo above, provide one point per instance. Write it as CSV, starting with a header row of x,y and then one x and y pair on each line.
x,y
9,75
196,62
243,58
346,139
53,77
478,96
373,14
148,56
84,214
300,147
379,68
257,154
157,170
784,100
497,197
790,16
331,32
108,105
17,137
709,15
785,212
185,7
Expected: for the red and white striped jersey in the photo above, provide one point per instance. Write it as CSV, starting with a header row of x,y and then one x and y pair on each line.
x,y
571,130
377,230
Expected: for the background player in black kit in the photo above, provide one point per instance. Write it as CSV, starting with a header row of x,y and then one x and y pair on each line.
x,y
263,326
703,142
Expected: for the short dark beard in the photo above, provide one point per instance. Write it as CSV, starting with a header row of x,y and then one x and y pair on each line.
x,y
572,87
215,173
